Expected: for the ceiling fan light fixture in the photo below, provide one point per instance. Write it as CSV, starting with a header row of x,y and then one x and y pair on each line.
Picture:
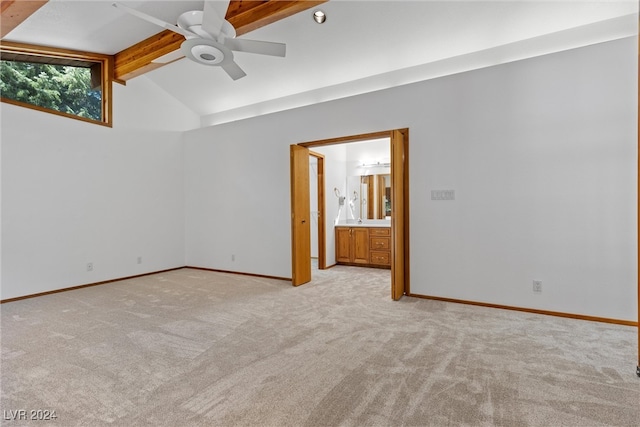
x,y
206,54
319,16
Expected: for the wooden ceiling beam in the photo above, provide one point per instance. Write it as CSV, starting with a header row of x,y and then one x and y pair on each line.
x,y
245,16
14,12
266,12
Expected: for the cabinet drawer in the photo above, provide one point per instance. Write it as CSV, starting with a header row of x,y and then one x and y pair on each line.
x,y
379,243
380,258
380,231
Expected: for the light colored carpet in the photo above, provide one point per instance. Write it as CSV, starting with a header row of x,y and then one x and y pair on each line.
x,y
197,348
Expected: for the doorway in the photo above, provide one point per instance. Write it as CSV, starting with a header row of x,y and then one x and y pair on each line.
x,y
300,215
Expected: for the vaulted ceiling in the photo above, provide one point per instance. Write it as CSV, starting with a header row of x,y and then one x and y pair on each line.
x,y
364,45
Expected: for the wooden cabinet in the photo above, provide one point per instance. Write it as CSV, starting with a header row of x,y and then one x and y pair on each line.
x,y
361,245
352,245
343,244
367,246
380,246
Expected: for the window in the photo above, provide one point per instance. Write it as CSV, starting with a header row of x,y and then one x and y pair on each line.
x,y
69,83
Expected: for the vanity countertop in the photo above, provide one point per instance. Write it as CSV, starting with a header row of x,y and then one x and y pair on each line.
x,y
364,224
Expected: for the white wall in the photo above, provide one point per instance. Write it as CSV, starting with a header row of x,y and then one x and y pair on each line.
x,y
541,154
237,199
335,176
142,104
74,193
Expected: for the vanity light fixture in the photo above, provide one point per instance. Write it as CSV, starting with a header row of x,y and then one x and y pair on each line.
x,y
319,16
374,165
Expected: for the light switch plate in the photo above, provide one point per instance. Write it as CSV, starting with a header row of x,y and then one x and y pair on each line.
x,y
443,194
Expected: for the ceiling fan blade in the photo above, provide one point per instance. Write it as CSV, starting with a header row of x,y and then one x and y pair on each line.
x,y
153,20
256,46
213,16
233,69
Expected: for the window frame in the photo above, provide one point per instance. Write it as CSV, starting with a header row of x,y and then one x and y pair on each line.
x,y
106,77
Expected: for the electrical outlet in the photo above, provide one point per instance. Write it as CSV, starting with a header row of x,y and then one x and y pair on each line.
x,y
233,257
139,260
89,266
537,286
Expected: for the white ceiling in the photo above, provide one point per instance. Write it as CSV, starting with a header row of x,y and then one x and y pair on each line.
x,y
364,45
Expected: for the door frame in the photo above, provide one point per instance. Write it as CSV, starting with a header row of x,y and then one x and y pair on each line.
x,y
322,226
638,214
400,188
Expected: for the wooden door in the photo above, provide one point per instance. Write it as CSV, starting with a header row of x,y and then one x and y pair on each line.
x,y
343,244
360,245
398,166
300,216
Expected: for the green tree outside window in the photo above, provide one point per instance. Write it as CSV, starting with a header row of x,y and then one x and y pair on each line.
x,y
58,87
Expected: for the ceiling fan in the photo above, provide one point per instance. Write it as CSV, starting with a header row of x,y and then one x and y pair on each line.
x,y
210,39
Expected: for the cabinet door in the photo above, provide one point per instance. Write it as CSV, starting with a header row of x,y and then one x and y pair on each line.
x,y
343,243
360,245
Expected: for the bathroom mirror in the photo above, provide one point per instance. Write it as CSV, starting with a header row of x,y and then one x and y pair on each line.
x,y
375,196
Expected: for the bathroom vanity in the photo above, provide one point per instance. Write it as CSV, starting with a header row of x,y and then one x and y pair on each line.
x,y
365,245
